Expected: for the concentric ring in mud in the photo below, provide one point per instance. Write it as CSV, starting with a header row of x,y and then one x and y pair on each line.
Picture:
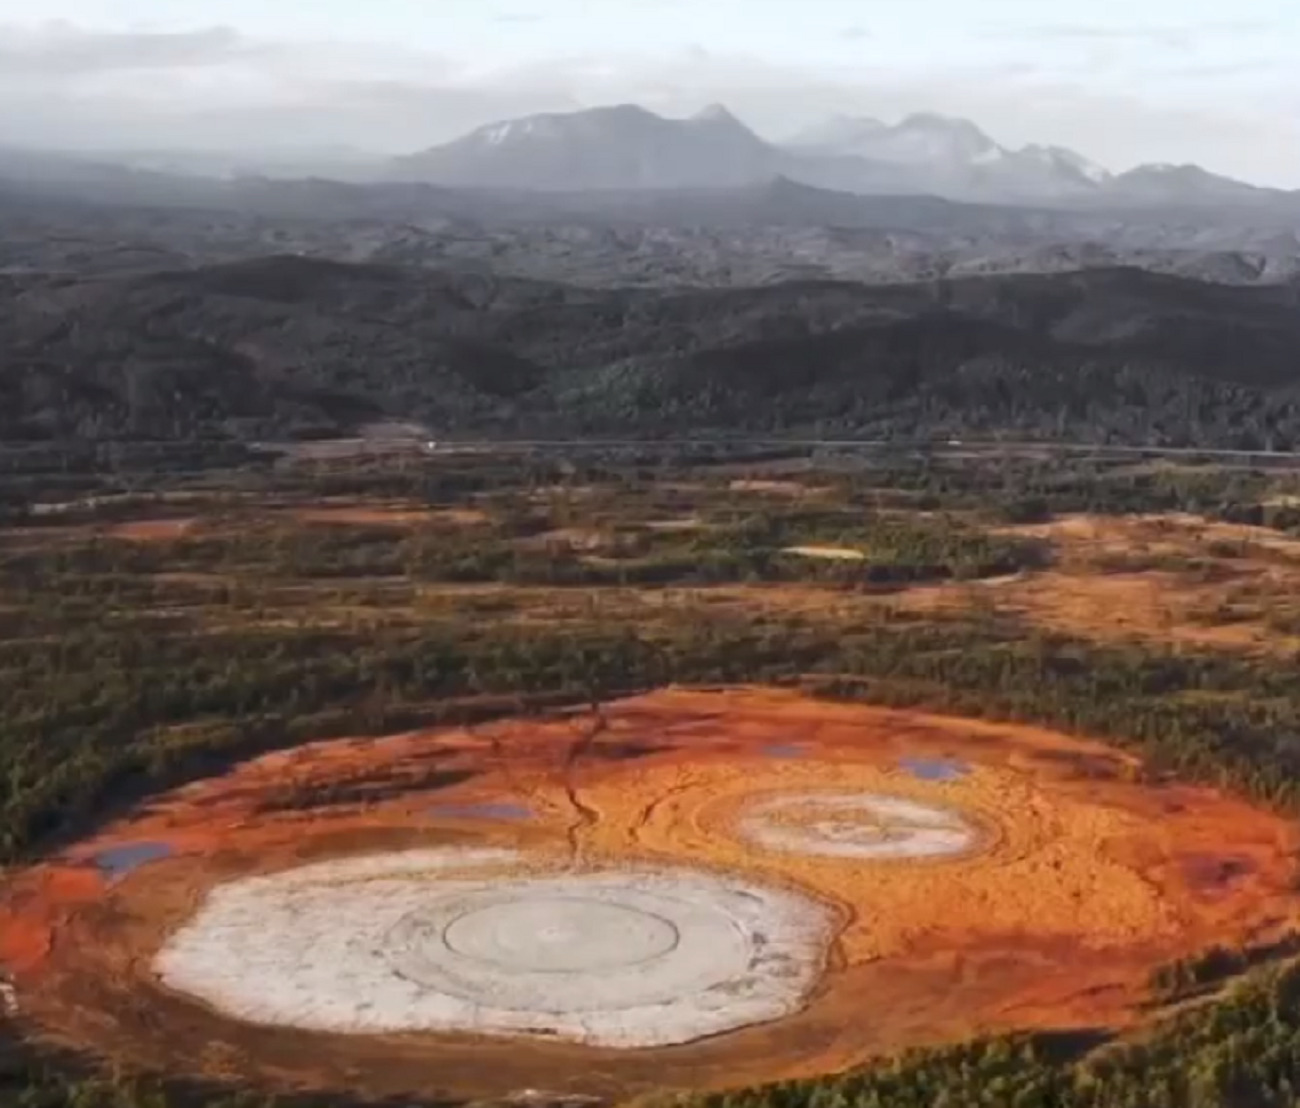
x,y
433,941
857,825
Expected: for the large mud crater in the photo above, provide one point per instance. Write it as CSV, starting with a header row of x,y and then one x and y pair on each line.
x,y
400,942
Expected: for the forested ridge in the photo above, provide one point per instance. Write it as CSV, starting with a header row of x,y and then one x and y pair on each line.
x,y
294,346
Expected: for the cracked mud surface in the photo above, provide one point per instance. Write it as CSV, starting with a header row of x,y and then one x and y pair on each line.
x,y
408,941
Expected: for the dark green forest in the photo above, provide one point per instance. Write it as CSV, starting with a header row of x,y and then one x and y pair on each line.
x,y
299,347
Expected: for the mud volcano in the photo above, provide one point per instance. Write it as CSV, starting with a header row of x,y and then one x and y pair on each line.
x,y
350,915
858,825
407,942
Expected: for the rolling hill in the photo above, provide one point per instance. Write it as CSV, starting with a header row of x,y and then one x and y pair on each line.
x,y
296,346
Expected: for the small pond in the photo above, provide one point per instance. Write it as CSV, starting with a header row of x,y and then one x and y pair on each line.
x,y
785,750
119,861
935,769
502,811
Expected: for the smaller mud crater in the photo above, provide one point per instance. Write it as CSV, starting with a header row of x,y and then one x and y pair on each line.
x,y
858,825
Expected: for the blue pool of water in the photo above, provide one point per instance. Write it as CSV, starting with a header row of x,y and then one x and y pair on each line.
x,y
784,750
119,861
935,769
483,811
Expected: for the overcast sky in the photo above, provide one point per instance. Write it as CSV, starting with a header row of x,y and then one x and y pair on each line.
x,y
1121,81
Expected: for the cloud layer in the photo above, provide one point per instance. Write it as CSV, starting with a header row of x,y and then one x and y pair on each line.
x,y
1119,94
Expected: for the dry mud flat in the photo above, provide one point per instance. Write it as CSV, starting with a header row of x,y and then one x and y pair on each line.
x,y
408,941
701,889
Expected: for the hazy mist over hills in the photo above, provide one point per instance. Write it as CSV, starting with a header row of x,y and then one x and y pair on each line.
x,y
1163,82
629,147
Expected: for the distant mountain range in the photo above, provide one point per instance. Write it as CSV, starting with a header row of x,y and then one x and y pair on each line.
x,y
626,151
629,148
954,157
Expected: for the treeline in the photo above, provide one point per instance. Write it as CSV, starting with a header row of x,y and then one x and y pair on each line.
x,y
1209,969
1243,1052
1027,489
1188,976
93,713
31,1078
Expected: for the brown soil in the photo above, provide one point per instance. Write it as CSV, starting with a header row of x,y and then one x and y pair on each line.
x,y
364,515
775,487
1085,880
151,530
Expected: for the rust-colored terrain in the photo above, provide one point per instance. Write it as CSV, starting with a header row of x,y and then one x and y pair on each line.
x,y
1173,578
1083,880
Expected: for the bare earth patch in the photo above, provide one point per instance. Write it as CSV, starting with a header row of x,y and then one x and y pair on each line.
x,y
379,515
827,553
680,525
775,487
151,530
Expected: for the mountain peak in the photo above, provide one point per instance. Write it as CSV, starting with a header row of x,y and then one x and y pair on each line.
x,y
954,157
1169,182
618,146
1186,170
723,125
1069,160
936,120
839,133
945,124
714,113
617,111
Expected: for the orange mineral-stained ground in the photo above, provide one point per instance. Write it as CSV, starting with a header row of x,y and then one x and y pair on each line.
x,y
1056,878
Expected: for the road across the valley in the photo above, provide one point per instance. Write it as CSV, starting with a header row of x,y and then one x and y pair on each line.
x,y
342,447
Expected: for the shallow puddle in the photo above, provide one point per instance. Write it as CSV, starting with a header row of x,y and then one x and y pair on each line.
x,y
935,769
502,811
119,861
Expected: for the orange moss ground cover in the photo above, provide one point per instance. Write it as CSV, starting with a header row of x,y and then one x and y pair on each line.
x,y
367,515
1171,579
1083,880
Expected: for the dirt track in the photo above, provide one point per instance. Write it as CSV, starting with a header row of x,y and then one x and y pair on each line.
x,y
1080,882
